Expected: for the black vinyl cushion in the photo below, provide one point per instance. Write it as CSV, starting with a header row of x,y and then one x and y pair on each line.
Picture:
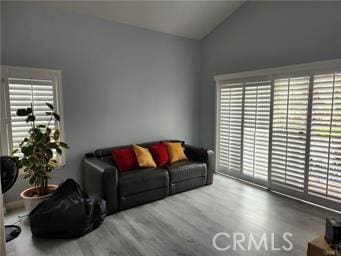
x,y
186,170
137,181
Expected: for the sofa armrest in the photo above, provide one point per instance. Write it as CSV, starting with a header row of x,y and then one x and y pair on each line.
x,y
101,179
202,155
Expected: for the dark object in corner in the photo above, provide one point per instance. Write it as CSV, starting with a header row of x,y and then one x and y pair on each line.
x,y
68,213
333,231
12,231
9,173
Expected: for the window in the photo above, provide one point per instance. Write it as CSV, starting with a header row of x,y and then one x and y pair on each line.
x,y
281,128
230,108
325,145
256,129
290,108
22,87
244,114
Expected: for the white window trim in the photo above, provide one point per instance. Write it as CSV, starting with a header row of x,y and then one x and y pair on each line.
x,y
27,73
307,69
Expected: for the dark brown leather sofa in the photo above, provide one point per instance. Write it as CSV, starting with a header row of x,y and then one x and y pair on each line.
x,y
122,190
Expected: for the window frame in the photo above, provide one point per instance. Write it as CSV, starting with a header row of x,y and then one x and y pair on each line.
x,y
308,69
8,72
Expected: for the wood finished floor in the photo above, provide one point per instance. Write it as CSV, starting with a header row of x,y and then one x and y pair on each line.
x,y
185,224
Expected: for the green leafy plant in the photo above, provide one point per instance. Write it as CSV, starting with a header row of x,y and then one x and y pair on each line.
x,y
35,152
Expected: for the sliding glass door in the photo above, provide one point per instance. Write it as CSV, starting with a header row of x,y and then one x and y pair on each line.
x,y
243,131
290,108
230,119
256,129
283,132
325,144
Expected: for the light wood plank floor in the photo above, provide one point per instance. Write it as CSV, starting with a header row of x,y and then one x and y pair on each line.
x,y
185,224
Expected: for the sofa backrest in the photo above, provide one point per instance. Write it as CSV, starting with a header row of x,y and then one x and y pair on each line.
x,y
105,154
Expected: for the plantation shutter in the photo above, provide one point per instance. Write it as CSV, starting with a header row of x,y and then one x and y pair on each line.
x,y
229,130
325,146
256,129
23,93
281,128
289,132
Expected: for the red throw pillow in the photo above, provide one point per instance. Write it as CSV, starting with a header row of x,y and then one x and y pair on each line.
x,y
159,153
125,159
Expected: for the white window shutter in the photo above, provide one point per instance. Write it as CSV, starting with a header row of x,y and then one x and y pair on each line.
x,y
256,129
230,111
281,128
289,131
325,142
23,93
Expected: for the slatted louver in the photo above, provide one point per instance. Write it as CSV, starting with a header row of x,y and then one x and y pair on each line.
x,y
325,143
23,93
289,132
256,129
230,117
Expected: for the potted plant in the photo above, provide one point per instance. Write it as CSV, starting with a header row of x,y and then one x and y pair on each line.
x,y
35,156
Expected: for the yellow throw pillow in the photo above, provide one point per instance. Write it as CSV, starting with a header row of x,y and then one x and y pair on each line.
x,y
144,158
175,152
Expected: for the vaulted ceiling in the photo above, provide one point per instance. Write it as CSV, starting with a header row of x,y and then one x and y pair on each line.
x,y
191,19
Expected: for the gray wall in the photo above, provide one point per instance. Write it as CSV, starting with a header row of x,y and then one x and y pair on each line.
x,y
266,34
121,84
125,85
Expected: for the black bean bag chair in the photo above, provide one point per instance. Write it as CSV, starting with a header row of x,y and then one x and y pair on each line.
x,y
68,213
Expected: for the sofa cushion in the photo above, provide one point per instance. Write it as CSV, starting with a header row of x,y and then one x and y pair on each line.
x,y
137,181
159,153
186,170
125,159
102,152
175,152
144,157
